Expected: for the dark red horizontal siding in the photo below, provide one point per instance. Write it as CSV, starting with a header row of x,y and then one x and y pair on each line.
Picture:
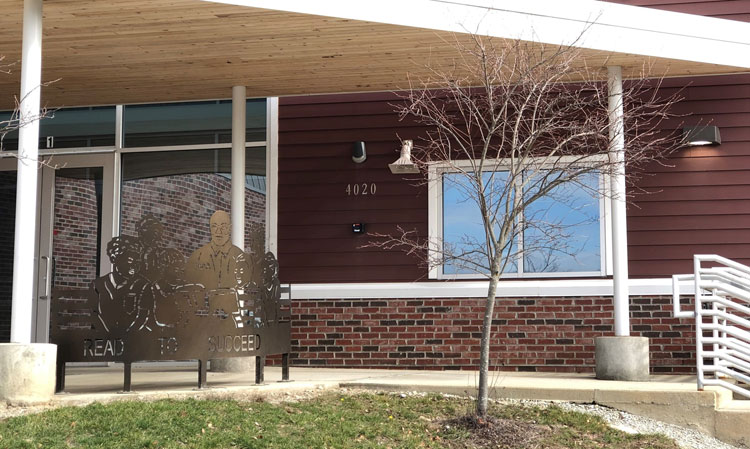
x,y
316,243
697,202
701,203
721,9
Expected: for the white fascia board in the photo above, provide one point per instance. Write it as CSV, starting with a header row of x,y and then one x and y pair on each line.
x,y
608,27
478,289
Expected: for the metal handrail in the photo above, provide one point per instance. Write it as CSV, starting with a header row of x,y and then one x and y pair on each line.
x,y
722,316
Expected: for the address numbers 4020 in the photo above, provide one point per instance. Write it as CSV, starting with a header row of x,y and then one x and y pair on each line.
x,y
361,189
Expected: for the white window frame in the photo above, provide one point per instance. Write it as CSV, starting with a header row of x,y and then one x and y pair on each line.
x,y
435,221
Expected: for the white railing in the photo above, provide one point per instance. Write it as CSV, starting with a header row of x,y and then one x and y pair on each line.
x,y
722,320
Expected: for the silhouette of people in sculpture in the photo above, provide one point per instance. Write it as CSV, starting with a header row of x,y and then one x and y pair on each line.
x,y
221,268
152,287
124,302
150,234
214,264
271,291
167,305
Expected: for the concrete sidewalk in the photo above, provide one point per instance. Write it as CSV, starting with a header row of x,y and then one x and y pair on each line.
x,y
672,399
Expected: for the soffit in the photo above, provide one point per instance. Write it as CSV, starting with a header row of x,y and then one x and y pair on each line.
x,y
126,51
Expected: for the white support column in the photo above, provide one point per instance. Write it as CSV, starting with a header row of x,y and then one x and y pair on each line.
x,y
24,251
239,100
619,225
619,357
272,173
239,138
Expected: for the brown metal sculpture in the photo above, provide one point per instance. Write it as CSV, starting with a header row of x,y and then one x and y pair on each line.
x,y
154,305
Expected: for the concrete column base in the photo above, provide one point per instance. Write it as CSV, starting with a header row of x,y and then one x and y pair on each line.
x,y
27,373
233,365
622,358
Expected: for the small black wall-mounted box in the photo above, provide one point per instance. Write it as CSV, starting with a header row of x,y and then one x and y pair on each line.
x,y
358,228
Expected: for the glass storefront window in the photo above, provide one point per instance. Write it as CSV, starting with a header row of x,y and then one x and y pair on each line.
x,y
180,189
148,125
183,194
70,128
192,123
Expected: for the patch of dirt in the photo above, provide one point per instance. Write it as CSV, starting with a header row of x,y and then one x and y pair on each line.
x,y
9,411
491,432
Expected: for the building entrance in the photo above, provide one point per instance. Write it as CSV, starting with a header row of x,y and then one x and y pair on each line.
x,y
75,221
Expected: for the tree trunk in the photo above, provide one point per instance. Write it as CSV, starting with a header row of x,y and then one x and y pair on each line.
x,y
484,347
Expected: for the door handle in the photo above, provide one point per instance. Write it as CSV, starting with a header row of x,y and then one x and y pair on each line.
x,y
47,278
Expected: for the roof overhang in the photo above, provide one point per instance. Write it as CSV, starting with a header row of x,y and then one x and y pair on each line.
x,y
126,51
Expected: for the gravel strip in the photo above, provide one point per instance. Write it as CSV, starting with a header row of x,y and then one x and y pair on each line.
x,y
627,422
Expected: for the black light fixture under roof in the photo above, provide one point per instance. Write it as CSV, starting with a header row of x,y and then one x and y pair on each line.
x,y
701,135
359,154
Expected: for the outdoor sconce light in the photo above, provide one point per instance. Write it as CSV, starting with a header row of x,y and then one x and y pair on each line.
x,y
403,164
701,135
359,154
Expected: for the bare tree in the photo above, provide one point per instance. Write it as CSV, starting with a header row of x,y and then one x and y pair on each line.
x,y
519,133
15,121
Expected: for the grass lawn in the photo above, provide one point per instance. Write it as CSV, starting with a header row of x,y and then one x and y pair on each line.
x,y
327,421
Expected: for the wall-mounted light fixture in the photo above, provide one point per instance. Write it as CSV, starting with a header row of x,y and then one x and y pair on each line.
x,y
359,154
701,135
403,164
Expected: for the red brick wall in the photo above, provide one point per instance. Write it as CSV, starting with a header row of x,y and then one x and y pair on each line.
x,y
184,204
75,232
530,334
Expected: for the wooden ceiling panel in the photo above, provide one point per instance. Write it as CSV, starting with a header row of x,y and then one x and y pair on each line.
x,y
126,51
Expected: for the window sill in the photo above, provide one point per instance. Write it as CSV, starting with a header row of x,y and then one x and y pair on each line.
x,y
513,288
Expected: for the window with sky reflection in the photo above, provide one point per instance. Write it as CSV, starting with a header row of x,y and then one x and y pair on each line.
x,y
561,235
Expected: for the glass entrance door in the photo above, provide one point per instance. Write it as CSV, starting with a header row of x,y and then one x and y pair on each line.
x,y
76,222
